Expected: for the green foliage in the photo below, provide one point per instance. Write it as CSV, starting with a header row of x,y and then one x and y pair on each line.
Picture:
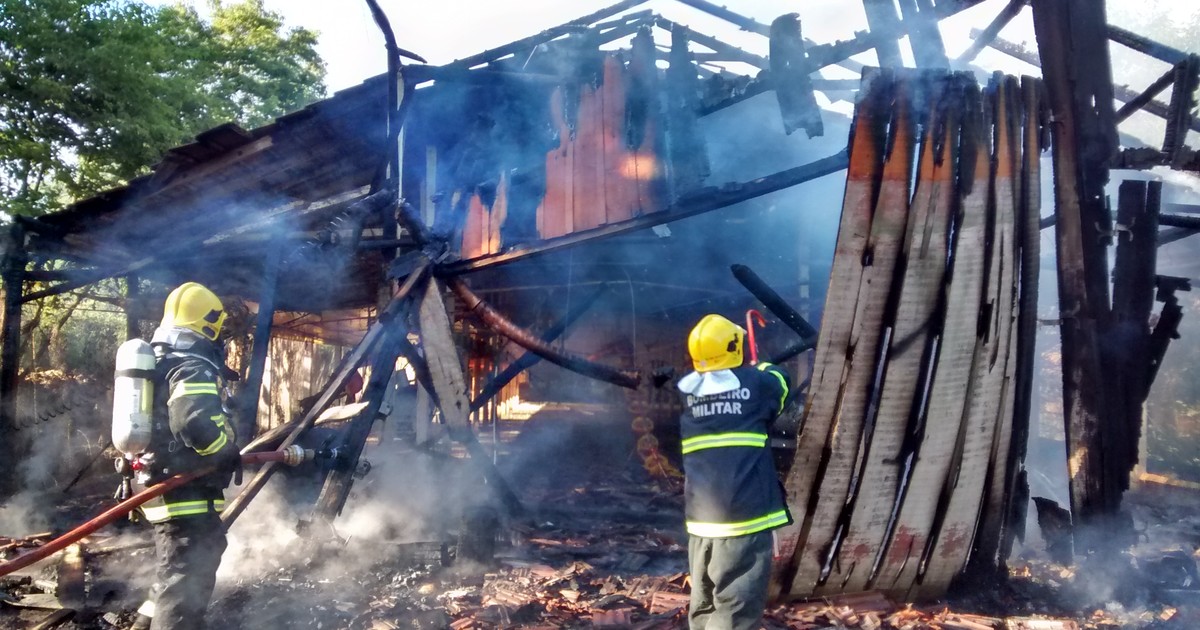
x,y
93,91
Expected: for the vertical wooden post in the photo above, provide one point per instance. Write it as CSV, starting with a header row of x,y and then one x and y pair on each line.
x,y
1074,56
1133,301
13,275
248,411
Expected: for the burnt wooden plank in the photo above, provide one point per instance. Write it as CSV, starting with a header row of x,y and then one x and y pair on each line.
x,y
858,388
947,553
450,386
588,188
939,444
556,204
909,352
993,516
618,206
1030,205
833,347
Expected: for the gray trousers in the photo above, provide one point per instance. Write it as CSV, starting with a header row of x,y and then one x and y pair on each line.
x,y
729,581
189,553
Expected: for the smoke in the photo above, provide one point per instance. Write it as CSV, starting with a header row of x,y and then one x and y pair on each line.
x,y
22,515
408,496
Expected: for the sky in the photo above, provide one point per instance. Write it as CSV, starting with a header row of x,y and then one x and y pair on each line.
x,y
352,47
445,30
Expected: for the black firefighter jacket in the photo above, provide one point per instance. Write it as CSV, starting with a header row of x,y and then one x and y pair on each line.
x,y
191,431
731,487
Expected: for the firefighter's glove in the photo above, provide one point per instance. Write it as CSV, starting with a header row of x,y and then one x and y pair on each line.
x,y
229,462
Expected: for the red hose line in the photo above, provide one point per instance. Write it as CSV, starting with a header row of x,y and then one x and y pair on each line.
x,y
752,317
117,511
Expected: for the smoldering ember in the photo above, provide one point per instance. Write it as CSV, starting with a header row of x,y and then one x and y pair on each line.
x,y
455,303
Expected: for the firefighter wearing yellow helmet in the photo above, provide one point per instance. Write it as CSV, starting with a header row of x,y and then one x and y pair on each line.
x,y
732,495
190,430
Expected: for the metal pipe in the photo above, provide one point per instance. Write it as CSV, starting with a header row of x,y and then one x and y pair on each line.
x,y
529,358
531,342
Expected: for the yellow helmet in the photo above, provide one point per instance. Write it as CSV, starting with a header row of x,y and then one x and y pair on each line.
x,y
716,344
194,307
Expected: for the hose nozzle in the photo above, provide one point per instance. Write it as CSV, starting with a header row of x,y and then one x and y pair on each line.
x,y
295,455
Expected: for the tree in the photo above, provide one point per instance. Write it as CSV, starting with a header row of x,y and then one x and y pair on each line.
x,y
92,92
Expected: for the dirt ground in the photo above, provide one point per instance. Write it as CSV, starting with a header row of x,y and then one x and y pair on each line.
x,y
601,545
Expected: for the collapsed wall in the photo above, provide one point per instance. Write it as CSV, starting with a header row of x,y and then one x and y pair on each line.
x,y
912,438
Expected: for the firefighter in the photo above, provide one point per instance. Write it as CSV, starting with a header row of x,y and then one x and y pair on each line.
x,y
733,498
191,430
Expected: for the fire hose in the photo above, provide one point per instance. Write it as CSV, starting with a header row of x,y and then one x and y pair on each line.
x,y
292,456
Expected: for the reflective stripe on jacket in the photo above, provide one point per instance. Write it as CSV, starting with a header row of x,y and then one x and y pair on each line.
x,y
167,511
731,487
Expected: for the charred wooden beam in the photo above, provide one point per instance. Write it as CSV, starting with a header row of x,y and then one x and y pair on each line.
x,y
705,200
545,36
985,37
924,35
1074,56
883,19
1146,45
13,276
1187,80
686,153
337,484
773,301
531,342
424,73
1141,158
1188,221
790,70
247,413
366,205
1146,96
835,53
712,43
737,19
1133,297
398,89
333,388
1166,237
529,358
1121,93
1169,318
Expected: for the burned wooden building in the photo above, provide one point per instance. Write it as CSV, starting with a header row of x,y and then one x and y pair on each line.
x,y
460,218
